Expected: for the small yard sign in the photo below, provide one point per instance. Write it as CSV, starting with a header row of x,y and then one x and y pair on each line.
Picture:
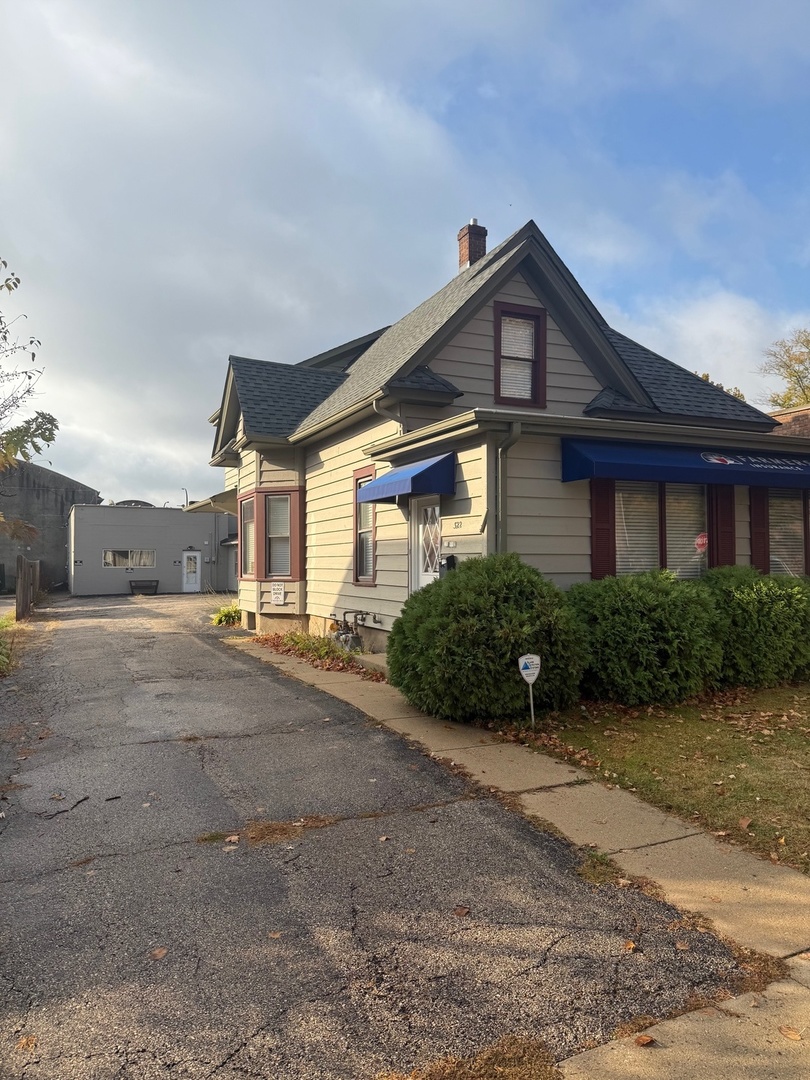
x,y
529,668
277,592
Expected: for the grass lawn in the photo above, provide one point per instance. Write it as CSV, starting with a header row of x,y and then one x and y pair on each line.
x,y
737,763
7,624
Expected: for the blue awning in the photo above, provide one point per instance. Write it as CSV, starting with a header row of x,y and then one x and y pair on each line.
x,y
433,476
586,458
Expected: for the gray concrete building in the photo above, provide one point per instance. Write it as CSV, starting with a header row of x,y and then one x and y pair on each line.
x,y
119,549
42,498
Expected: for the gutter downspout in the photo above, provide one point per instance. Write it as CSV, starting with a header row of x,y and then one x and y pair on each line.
x,y
380,411
500,484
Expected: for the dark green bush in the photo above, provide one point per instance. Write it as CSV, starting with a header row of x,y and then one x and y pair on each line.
x,y
764,626
651,637
454,650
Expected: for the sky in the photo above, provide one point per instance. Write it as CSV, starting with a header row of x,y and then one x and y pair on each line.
x,y
185,179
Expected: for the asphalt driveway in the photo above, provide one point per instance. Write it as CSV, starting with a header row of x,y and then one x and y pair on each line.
x,y
385,911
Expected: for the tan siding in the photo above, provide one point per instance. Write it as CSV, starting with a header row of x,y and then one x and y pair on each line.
x,y
279,470
330,535
231,478
549,523
248,471
468,361
743,526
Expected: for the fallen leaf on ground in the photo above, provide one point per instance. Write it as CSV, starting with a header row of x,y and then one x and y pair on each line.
x,y
274,934
57,797
683,946
159,953
745,822
461,911
383,839
410,850
644,1040
630,946
27,1042
232,839
791,1033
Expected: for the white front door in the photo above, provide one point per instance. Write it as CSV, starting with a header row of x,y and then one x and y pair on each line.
x,y
426,541
192,576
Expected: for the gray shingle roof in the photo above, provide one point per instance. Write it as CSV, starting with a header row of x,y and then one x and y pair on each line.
x,y
677,392
275,398
393,349
610,400
422,378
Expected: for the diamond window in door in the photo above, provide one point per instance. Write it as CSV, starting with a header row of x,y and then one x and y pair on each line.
x,y
431,540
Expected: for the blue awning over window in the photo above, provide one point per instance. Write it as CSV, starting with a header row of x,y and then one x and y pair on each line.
x,y
585,458
433,476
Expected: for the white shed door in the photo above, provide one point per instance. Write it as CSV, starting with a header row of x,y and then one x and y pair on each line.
x,y
192,578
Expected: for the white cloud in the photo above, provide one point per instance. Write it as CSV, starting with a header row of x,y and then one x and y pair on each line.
x,y
710,329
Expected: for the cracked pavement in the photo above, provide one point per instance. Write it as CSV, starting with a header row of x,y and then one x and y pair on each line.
x,y
132,950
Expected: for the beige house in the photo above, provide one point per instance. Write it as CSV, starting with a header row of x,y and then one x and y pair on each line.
x,y
502,414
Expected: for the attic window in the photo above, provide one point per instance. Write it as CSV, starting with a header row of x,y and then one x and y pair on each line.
x,y
520,355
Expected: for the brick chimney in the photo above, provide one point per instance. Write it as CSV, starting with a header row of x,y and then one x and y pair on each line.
x,y
472,244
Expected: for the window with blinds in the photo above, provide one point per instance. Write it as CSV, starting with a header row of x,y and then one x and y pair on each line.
x,y
247,534
637,531
364,540
642,536
517,357
687,539
786,529
277,517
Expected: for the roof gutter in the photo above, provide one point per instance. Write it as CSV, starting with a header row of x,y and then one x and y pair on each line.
x,y
501,537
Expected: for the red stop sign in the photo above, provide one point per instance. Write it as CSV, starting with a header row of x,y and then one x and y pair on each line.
x,y
701,543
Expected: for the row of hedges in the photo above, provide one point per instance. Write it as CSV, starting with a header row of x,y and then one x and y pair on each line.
x,y
640,639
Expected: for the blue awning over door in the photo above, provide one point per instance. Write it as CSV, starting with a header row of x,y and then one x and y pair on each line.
x,y
586,458
433,476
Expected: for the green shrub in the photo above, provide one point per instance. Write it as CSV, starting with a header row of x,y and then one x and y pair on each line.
x,y
652,638
454,650
764,626
230,615
314,647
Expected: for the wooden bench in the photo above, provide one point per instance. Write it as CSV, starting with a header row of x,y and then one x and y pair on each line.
x,y
145,586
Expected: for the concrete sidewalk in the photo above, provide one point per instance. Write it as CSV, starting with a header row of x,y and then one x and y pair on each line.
x,y
759,905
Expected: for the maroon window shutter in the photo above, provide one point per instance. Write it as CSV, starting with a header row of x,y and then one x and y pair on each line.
x,y
603,528
760,529
722,526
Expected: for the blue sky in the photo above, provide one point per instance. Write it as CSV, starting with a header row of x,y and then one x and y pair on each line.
x,y
183,179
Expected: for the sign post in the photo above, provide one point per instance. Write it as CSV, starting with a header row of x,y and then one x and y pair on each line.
x,y
529,668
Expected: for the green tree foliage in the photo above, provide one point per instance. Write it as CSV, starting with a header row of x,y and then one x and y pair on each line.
x,y
735,391
454,650
789,360
652,638
19,439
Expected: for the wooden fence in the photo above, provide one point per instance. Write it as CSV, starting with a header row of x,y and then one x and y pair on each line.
x,y
27,585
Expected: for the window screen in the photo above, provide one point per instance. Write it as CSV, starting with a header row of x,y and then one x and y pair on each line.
x,y
278,535
637,547
786,513
687,539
